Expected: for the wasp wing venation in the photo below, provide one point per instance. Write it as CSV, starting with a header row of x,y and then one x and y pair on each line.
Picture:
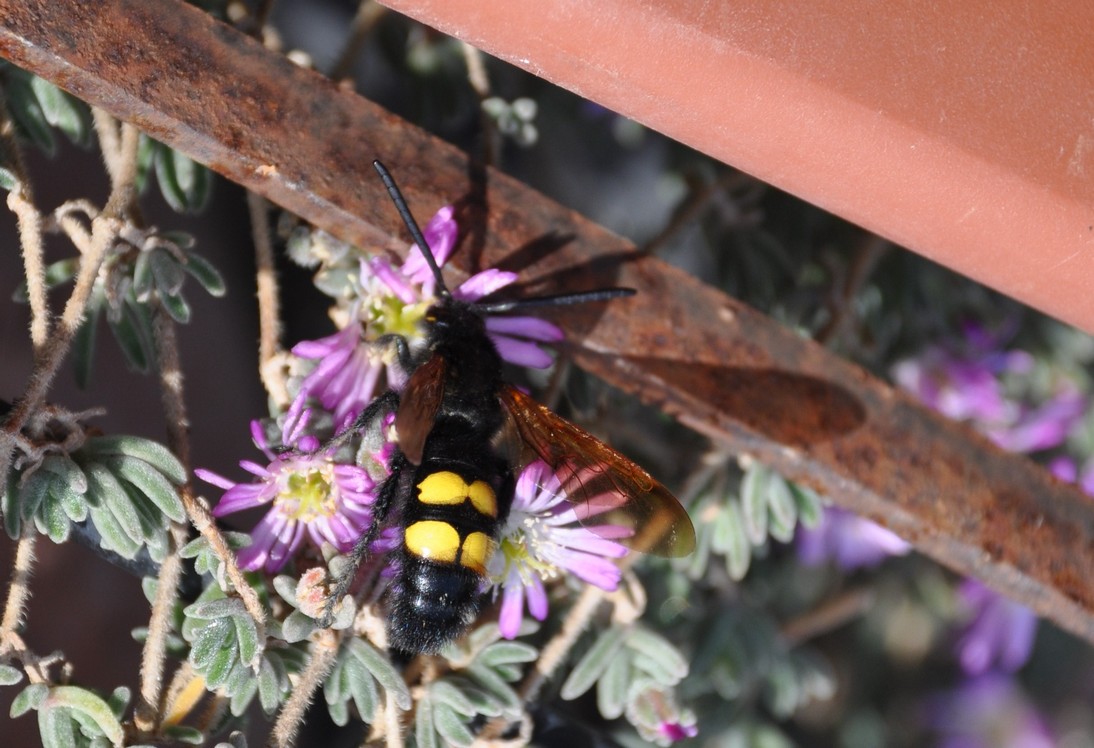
x,y
606,489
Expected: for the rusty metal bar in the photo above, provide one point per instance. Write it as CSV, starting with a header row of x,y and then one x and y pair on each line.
x,y
718,365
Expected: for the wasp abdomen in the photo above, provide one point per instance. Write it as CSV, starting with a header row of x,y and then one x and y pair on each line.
x,y
447,542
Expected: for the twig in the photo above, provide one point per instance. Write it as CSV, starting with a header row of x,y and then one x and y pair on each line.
x,y
323,654
555,651
841,306
697,201
270,356
829,616
480,84
29,222
364,21
19,589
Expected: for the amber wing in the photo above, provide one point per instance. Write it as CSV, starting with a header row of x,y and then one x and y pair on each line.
x,y
605,487
418,407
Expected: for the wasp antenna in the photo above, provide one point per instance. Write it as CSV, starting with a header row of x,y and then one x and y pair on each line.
x,y
562,299
411,224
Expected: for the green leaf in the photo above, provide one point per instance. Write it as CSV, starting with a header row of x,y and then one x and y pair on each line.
x,y
52,521
67,470
739,549
423,724
27,112
205,274
782,511
593,664
33,492
185,734
166,270
63,111
87,704
659,658
452,727
55,727
185,184
808,504
362,687
504,653
83,345
494,685
74,504
754,490
150,482
209,640
250,648
132,337
446,694
220,667
9,675
382,670
176,306
612,688
8,180
109,492
31,697
152,452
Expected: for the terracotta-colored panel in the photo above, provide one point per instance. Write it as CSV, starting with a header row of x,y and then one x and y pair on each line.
x,y
963,130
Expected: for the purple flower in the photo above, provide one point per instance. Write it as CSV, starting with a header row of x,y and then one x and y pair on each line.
x,y
990,711
309,496
970,386
1041,428
344,381
413,286
541,541
1000,632
393,301
850,540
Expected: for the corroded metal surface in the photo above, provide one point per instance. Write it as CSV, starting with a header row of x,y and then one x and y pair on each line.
x,y
718,365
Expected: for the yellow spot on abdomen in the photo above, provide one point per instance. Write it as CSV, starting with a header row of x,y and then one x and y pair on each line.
x,y
477,549
445,488
434,540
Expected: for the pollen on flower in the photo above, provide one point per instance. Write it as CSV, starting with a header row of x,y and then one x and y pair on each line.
x,y
307,496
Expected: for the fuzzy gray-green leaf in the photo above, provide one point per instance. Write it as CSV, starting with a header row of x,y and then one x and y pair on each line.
x,y
423,725
782,510
109,492
152,452
452,727
382,670
659,658
9,675
247,638
493,684
208,641
507,652
29,698
593,664
90,706
205,274
808,505
739,550
151,483
67,470
63,111
56,729
362,687
612,688
754,502
52,521
27,111
114,537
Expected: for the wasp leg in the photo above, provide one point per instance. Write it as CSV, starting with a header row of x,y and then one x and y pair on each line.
x,y
388,491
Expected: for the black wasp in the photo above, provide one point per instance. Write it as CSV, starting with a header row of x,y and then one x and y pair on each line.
x,y
451,482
